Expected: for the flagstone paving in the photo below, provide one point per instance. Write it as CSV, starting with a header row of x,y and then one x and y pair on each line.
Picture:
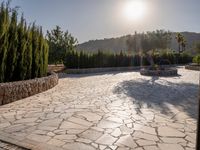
x,y
111,111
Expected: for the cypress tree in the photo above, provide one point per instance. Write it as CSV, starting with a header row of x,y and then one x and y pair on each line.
x,y
28,60
12,48
35,54
41,53
4,24
20,71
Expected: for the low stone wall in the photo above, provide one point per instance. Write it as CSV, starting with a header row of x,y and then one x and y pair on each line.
x,y
109,69
193,67
13,91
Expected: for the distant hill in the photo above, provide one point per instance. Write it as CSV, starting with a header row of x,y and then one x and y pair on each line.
x,y
118,44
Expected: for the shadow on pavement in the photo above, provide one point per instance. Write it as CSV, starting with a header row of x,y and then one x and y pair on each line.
x,y
161,95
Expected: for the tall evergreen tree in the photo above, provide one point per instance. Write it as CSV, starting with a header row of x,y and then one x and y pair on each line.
x,y
4,26
12,48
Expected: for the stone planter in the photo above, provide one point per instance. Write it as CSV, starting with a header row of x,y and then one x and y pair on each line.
x,y
13,91
159,72
195,67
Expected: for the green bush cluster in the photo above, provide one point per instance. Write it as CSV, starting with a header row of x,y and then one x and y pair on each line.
x,y
196,59
75,59
23,49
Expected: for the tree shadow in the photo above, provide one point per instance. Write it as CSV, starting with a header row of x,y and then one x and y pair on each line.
x,y
161,95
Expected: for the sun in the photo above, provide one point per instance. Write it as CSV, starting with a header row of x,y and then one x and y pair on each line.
x,y
134,9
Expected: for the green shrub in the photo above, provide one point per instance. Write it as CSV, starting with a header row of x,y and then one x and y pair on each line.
x,y
196,59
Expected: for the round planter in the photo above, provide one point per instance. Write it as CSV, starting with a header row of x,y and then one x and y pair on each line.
x,y
195,67
159,72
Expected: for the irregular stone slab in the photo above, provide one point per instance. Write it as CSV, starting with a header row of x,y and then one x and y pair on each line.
x,y
70,125
91,134
41,132
25,120
65,137
74,131
151,148
80,121
78,146
173,140
90,116
38,138
146,136
170,132
51,123
145,129
145,142
126,141
82,140
126,130
176,125
56,142
47,128
161,119
116,132
106,139
170,147
15,128
107,124
114,119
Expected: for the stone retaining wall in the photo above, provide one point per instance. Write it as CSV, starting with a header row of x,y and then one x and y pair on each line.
x,y
13,91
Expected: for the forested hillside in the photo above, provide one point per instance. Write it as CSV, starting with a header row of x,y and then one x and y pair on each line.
x,y
120,43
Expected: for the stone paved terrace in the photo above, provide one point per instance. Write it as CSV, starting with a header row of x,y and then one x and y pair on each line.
x,y
110,111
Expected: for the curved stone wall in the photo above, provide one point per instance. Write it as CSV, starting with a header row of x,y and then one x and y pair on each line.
x,y
13,91
166,72
193,67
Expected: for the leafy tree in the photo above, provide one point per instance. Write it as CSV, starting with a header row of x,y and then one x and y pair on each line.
x,y
59,44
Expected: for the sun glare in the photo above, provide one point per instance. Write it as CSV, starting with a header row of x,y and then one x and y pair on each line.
x,y
134,9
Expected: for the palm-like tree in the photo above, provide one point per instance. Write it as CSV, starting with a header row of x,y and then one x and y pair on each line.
x,y
179,38
183,44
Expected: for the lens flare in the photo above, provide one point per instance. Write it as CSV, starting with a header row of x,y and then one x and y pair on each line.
x,y
134,9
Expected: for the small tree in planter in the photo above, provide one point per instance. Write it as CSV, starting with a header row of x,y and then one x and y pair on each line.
x,y
152,42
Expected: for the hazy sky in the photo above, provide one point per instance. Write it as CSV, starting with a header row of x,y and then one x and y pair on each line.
x,y
96,19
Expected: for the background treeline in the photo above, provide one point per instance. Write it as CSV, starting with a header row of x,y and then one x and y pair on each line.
x,y
148,48
23,49
76,59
